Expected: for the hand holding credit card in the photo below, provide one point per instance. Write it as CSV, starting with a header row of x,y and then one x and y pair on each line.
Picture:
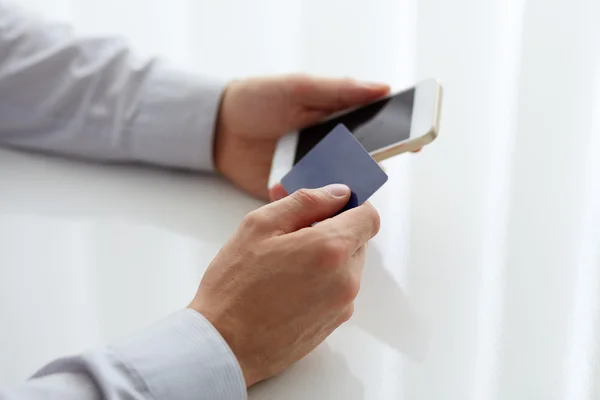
x,y
337,158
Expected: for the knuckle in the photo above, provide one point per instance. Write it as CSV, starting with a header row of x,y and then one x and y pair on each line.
x,y
347,313
349,290
333,252
298,77
376,223
298,83
255,220
306,196
374,219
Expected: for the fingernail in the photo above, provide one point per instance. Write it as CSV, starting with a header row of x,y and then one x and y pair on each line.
x,y
338,190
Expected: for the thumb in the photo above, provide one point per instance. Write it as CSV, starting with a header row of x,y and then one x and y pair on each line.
x,y
305,207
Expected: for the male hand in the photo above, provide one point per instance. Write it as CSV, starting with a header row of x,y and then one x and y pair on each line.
x,y
255,113
280,286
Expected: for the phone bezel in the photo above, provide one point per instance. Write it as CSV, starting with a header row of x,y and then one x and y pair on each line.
x,y
425,119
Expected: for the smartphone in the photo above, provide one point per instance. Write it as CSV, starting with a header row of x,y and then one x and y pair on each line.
x,y
398,123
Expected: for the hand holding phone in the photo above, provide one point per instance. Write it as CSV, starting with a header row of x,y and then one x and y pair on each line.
x,y
395,124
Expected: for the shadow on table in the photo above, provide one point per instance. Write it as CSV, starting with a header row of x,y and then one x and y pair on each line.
x,y
383,310
323,374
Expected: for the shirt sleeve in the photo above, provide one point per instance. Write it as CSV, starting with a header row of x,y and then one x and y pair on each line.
x,y
93,98
180,357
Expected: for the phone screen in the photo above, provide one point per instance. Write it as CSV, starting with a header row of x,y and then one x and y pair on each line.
x,y
376,125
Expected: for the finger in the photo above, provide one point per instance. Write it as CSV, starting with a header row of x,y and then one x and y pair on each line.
x,y
358,262
304,207
346,313
356,226
336,94
277,192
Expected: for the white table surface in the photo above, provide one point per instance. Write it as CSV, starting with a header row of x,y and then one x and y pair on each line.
x,y
90,253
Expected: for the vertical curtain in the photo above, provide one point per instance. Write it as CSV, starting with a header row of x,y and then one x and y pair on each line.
x,y
502,212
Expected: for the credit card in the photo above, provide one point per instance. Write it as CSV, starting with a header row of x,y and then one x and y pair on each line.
x,y
337,158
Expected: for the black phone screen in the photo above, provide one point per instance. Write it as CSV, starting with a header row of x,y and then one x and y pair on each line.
x,y
376,125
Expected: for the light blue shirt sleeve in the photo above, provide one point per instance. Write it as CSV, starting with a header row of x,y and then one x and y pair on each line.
x,y
92,98
180,357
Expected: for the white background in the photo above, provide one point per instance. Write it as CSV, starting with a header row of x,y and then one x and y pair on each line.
x,y
484,281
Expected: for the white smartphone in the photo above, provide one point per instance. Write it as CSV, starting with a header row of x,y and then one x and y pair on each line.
x,y
402,122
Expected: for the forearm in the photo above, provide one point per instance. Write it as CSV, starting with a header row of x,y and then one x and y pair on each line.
x,y
180,357
93,98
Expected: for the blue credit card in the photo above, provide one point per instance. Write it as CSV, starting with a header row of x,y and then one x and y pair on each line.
x,y
337,158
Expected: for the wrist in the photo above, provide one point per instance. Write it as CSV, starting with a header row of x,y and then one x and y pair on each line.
x,y
222,138
231,333
180,356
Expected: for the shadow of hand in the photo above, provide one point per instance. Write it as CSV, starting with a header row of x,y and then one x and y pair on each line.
x,y
323,374
383,310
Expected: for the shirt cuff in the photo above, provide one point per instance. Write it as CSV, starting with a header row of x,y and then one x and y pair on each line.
x,y
183,357
175,120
